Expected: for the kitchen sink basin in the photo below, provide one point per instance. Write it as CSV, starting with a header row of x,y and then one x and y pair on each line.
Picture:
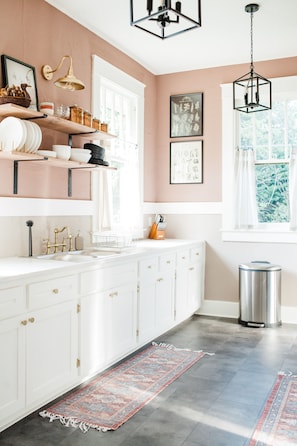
x,y
79,256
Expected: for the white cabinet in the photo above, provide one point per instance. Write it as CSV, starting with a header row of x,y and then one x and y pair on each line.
x,y
58,330
107,315
120,328
155,296
13,372
189,282
148,269
165,289
51,351
38,347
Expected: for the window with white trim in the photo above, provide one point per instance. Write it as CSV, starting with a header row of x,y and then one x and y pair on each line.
x,y
118,100
272,136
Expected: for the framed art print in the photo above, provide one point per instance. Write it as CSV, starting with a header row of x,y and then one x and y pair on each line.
x,y
186,115
186,162
15,72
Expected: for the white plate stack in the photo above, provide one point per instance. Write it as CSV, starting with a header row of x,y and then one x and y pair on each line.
x,y
19,135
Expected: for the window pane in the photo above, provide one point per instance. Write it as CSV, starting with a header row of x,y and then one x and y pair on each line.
x,y
272,193
292,123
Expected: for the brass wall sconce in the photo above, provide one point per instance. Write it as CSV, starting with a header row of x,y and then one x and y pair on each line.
x,y
68,82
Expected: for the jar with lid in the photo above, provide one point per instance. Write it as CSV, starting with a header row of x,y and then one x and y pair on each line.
x,y
96,124
87,119
76,114
104,127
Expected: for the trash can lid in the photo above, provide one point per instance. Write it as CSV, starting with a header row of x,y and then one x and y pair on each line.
x,y
259,266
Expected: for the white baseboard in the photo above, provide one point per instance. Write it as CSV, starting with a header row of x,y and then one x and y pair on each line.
x,y
217,308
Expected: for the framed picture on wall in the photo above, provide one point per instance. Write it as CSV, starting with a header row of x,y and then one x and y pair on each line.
x,y
186,115
15,72
186,162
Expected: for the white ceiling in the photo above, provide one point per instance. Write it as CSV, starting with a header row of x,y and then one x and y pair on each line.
x,y
223,39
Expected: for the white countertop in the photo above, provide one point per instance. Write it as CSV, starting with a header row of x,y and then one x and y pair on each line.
x,y
17,267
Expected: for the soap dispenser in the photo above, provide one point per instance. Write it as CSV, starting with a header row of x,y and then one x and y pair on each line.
x,y
79,242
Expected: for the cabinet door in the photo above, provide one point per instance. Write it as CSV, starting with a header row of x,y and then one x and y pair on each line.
x,y
92,336
120,321
51,353
12,370
182,293
147,299
165,300
194,287
147,310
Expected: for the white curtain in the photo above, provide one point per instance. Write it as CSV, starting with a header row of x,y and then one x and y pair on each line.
x,y
293,189
245,212
101,191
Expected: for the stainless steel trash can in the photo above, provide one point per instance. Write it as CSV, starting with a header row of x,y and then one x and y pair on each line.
x,y
260,294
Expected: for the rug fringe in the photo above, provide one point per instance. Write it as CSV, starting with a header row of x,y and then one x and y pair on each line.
x,y
72,422
287,373
172,347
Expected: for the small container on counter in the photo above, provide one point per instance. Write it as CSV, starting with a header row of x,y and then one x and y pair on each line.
x,y
79,242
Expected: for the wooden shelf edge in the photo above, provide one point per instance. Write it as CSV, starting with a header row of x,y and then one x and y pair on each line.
x,y
53,162
53,122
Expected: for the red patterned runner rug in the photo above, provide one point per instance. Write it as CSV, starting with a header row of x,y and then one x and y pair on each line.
x,y
278,423
112,398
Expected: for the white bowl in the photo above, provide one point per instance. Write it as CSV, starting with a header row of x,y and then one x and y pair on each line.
x,y
75,150
80,157
62,151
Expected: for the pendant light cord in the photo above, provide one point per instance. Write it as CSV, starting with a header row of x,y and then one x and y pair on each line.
x,y
252,42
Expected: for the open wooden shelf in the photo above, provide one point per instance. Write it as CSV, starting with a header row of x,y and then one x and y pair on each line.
x,y
52,122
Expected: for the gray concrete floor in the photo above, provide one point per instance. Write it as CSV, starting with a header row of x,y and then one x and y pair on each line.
x,y
215,403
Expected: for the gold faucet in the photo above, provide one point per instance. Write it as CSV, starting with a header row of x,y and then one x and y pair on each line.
x,y
62,245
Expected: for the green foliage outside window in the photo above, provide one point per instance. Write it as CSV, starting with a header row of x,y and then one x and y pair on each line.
x,y
271,134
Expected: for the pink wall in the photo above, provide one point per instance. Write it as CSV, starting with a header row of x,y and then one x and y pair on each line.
x,y
207,81
36,33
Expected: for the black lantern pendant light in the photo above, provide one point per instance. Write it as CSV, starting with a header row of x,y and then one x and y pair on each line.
x,y
251,92
164,19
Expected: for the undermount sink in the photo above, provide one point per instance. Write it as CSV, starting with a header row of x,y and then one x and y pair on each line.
x,y
79,256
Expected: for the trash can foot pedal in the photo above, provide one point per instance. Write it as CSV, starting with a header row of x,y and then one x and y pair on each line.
x,y
255,324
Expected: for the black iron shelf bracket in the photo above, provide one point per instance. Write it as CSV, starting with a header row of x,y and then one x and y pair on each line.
x,y
70,169
70,135
16,171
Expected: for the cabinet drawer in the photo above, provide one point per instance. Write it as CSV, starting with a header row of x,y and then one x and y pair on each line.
x,y
104,278
183,257
52,292
148,267
12,301
167,261
196,254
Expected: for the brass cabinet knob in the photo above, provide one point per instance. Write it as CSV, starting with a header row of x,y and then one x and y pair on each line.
x,y
32,319
56,291
24,322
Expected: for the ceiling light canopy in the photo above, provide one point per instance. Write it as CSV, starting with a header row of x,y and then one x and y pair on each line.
x,y
251,92
68,82
164,18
